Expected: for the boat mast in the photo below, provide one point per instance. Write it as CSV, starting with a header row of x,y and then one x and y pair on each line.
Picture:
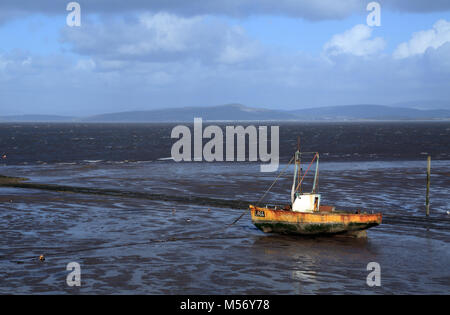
x,y
297,171
316,175
298,179
299,162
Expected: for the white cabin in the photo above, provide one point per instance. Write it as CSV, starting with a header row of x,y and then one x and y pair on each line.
x,y
306,202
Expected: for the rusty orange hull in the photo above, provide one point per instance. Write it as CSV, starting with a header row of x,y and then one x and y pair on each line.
x,y
290,222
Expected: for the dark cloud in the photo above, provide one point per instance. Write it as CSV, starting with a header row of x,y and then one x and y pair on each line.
x,y
314,10
306,9
417,6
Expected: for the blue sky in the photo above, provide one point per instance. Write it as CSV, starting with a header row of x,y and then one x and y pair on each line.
x,y
139,55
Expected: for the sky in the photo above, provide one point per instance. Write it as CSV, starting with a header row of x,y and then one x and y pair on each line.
x,y
285,54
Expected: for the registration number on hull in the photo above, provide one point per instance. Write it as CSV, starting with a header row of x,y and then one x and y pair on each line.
x,y
259,213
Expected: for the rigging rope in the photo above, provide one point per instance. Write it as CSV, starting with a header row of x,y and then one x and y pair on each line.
x,y
265,193
300,182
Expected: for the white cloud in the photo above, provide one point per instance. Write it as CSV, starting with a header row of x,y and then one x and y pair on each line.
x,y
423,40
439,60
3,62
356,41
237,47
66,86
163,37
167,32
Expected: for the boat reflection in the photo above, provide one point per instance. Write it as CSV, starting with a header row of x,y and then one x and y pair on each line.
x,y
316,264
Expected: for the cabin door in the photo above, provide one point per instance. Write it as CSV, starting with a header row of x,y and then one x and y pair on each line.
x,y
316,203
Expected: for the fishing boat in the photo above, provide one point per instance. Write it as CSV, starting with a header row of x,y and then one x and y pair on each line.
x,y
305,215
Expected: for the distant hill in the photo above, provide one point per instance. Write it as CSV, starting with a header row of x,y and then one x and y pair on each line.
x,y
238,112
369,112
36,118
187,114
424,105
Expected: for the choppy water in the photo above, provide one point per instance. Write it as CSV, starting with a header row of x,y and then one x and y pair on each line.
x,y
55,143
137,245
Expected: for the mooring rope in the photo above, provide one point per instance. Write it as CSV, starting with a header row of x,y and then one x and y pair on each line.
x,y
149,242
170,239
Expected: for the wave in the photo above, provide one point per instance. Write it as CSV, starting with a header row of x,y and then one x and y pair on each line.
x,y
166,159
